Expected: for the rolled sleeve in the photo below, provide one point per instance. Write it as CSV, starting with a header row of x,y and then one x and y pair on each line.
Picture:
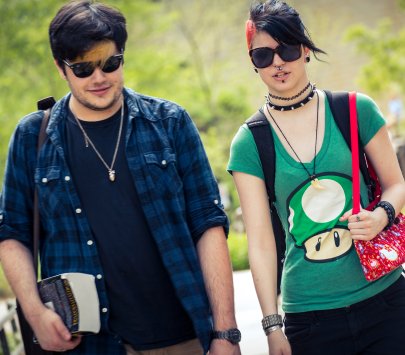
x,y
18,186
204,208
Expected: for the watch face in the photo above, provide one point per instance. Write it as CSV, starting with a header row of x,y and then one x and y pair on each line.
x,y
234,336
231,335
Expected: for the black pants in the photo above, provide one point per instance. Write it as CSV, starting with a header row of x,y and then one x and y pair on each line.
x,y
375,326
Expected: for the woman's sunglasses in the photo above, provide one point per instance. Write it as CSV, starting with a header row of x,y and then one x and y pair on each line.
x,y
85,69
263,57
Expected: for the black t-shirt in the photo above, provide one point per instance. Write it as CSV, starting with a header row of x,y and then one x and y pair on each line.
x,y
144,309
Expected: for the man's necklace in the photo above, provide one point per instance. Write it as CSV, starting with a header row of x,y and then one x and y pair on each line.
x,y
314,180
87,141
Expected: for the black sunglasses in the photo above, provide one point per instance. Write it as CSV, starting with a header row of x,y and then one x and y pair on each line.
x,y
85,69
263,57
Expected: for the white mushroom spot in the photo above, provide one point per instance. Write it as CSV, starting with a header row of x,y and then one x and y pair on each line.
x,y
324,205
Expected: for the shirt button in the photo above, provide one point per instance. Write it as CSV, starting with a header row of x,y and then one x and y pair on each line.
x,y
89,242
1,217
216,202
78,210
99,277
164,162
67,178
104,310
44,180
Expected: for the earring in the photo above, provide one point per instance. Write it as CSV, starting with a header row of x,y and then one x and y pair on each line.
x,y
255,69
308,59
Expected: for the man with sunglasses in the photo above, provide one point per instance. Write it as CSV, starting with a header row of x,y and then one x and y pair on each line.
x,y
126,194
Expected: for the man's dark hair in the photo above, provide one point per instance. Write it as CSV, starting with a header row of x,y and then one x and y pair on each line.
x,y
282,22
79,25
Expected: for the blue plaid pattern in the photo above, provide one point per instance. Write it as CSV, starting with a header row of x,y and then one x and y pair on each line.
x,y
176,187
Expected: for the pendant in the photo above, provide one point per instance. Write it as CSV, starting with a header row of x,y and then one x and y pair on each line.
x,y
316,184
111,175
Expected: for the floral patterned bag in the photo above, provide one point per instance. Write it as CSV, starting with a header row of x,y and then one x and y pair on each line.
x,y
386,251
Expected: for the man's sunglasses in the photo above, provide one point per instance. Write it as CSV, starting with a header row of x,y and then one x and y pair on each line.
x,y
263,57
85,69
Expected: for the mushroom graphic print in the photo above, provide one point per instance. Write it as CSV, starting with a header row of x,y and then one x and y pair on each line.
x,y
313,217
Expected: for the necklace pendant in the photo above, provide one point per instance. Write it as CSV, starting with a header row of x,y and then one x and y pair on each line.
x,y
111,175
316,184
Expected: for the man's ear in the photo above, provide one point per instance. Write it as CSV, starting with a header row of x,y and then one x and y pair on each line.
x,y
60,70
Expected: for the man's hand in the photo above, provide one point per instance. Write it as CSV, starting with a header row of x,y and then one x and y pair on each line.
x,y
223,347
51,332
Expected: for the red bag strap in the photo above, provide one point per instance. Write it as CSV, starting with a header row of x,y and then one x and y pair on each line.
x,y
354,138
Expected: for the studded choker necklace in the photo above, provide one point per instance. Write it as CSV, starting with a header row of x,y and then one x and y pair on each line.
x,y
294,106
291,97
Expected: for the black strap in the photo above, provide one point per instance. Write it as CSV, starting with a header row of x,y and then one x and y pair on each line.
x,y
36,220
339,105
27,334
263,137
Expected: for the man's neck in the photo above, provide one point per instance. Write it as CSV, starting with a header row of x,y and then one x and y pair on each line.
x,y
85,113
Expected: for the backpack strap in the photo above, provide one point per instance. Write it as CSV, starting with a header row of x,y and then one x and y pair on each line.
x,y
259,126
36,219
339,105
46,105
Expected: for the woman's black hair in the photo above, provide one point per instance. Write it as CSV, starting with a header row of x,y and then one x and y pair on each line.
x,y
79,25
283,23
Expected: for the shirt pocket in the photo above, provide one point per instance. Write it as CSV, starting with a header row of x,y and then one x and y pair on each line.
x,y
50,191
163,173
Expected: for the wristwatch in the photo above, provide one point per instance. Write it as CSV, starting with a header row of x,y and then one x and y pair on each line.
x,y
232,335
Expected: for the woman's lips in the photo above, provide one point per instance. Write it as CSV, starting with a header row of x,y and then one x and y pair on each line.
x,y
281,76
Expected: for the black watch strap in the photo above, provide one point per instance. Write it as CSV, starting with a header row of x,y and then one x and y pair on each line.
x,y
232,335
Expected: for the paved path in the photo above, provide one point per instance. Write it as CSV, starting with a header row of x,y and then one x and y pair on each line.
x,y
249,315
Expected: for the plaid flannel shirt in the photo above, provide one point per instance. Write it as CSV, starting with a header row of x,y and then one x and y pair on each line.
x,y
176,187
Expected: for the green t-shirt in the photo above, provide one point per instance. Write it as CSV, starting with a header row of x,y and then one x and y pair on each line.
x,y
321,269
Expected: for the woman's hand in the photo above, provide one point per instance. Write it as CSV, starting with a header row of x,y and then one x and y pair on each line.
x,y
278,343
365,225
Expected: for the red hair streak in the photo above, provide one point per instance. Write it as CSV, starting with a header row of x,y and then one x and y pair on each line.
x,y
250,32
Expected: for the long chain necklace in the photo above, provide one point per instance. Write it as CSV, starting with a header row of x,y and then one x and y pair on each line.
x,y
294,106
87,141
291,97
314,180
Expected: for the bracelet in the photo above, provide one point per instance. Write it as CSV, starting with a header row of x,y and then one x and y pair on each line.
x,y
272,329
389,210
271,321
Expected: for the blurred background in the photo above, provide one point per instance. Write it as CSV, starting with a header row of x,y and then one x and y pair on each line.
x,y
194,53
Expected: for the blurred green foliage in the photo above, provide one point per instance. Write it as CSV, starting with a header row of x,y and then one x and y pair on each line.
x,y
238,247
385,49
384,46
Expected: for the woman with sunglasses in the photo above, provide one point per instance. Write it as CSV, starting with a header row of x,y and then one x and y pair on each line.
x,y
329,306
